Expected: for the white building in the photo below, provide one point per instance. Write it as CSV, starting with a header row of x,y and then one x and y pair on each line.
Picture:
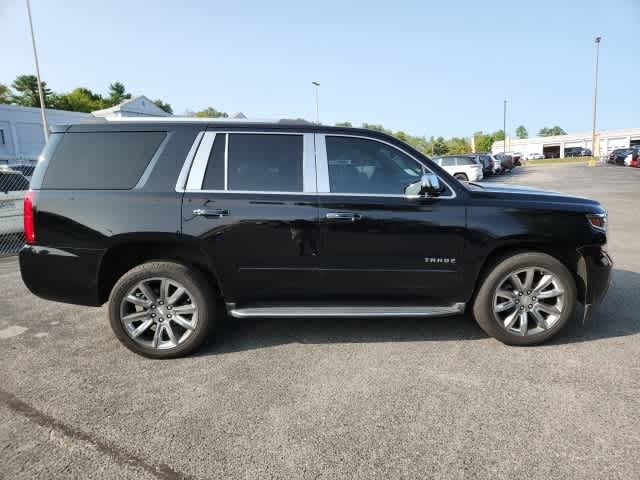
x,y
139,106
553,147
22,137
21,134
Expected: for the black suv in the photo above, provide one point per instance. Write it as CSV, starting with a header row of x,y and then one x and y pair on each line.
x,y
164,219
618,155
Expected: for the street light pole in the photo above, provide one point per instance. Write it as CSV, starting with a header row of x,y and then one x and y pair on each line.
x,y
595,101
504,128
317,84
45,127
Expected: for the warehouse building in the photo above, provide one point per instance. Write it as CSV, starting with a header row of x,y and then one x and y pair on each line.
x,y
554,147
22,136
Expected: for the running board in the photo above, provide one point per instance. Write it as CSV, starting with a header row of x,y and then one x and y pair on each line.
x,y
318,311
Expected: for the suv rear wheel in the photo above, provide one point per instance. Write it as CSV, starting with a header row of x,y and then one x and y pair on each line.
x,y
162,309
462,176
525,299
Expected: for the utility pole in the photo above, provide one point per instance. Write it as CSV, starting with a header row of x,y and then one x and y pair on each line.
x,y
45,127
504,128
595,101
317,84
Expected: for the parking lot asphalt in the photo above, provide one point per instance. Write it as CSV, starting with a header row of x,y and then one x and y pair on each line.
x,y
336,398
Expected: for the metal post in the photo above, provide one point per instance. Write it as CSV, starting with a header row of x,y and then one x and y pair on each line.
x,y
504,128
317,84
45,127
595,101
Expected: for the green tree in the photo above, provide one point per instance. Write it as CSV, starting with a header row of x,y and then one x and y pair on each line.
x,y
26,88
5,93
498,135
344,124
458,145
521,132
439,146
483,141
117,94
164,106
551,131
79,100
211,112
377,128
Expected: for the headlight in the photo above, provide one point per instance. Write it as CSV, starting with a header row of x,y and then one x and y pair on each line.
x,y
599,221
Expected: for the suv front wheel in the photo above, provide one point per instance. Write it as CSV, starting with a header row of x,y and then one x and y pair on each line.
x,y
162,309
525,299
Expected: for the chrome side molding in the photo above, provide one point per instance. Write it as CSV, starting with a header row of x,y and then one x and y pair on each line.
x,y
320,311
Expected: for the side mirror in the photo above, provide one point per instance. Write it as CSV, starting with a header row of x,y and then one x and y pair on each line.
x,y
430,185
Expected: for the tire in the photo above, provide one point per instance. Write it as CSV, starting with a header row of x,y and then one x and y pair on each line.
x,y
462,176
498,279
196,305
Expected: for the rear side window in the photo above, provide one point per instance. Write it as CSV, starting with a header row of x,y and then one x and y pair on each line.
x,y
448,162
465,161
101,160
265,162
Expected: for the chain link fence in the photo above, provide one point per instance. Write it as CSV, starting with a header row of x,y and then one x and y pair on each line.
x,y
13,186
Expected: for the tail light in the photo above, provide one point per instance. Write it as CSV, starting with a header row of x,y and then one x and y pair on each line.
x,y
29,219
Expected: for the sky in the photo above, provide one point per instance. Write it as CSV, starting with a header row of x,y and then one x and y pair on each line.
x,y
423,67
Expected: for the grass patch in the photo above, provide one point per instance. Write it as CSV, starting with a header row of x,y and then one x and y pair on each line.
x,y
558,161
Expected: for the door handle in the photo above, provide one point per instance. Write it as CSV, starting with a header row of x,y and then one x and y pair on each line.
x,y
343,216
206,212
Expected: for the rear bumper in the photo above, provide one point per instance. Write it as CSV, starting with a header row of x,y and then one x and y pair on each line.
x,y
65,275
594,269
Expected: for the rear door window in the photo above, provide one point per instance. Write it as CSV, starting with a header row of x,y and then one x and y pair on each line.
x,y
101,160
265,162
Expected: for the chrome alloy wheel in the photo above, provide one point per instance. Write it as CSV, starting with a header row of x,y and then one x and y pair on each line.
x,y
159,313
529,301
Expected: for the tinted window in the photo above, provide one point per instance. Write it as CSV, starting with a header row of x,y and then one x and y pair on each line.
x,y
358,165
214,176
101,160
11,182
466,161
449,162
265,162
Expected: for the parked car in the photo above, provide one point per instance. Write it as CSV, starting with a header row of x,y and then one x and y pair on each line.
x,y
497,165
535,156
462,167
577,152
13,187
517,159
165,219
632,159
25,170
618,155
489,166
506,161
